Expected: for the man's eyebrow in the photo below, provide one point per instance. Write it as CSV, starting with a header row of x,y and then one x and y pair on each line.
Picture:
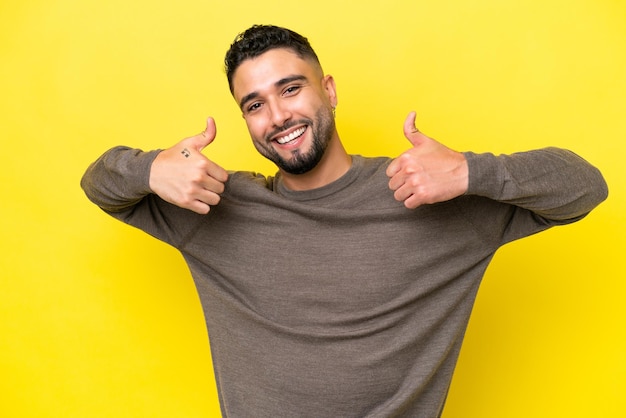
x,y
279,83
289,79
247,98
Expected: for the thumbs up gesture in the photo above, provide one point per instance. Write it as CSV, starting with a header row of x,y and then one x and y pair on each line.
x,y
182,175
427,173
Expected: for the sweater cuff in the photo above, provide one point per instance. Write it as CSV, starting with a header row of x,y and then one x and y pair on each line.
x,y
131,168
486,175
144,161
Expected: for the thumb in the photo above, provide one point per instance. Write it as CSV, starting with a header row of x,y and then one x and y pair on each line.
x,y
200,141
411,132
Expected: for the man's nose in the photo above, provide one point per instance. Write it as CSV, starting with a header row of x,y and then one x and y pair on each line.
x,y
279,113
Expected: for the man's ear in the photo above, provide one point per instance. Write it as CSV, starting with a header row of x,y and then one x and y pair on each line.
x,y
328,84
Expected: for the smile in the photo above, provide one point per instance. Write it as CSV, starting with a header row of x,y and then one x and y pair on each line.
x,y
288,138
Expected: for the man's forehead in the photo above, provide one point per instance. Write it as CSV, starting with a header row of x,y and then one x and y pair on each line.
x,y
269,67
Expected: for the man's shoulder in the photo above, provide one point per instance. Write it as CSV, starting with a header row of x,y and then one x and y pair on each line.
x,y
248,183
372,161
370,165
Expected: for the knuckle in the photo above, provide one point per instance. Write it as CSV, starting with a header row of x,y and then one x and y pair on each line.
x,y
196,176
187,190
185,201
405,157
414,182
201,166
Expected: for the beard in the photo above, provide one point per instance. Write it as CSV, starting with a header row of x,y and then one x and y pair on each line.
x,y
302,162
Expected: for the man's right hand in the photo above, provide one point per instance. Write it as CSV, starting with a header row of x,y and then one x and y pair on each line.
x,y
182,175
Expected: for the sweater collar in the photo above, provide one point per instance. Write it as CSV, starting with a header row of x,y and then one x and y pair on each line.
x,y
321,192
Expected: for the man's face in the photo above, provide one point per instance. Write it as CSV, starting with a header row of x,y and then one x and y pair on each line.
x,y
287,104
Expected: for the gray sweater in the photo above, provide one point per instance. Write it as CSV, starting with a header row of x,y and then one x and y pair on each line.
x,y
339,301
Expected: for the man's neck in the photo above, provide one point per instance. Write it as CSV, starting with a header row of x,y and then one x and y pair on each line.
x,y
334,164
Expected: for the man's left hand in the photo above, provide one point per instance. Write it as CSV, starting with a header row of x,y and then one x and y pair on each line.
x,y
427,173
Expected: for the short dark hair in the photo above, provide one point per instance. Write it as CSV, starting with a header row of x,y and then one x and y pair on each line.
x,y
261,38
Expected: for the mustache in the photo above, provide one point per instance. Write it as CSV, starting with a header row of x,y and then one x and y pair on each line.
x,y
286,126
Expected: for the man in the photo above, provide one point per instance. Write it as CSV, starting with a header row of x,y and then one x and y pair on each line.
x,y
342,286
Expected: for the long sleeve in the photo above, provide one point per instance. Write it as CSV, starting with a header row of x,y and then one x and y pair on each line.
x,y
118,182
118,179
553,183
530,191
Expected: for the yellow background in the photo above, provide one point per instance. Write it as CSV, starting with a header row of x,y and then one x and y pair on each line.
x,y
99,320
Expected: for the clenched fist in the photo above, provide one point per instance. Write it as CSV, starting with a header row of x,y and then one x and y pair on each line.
x,y
182,175
427,173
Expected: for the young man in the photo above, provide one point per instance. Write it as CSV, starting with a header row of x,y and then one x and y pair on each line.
x,y
342,286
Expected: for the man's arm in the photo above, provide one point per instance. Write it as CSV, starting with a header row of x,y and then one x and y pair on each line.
x,y
427,173
180,175
183,176
553,183
157,191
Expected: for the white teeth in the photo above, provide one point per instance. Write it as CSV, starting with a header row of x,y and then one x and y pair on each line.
x,y
291,136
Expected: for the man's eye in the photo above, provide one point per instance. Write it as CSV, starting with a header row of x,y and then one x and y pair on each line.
x,y
292,89
253,107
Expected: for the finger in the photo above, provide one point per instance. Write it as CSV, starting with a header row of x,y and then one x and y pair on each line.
x,y
410,197
208,197
209,132
412,202
393,168
201,201
199,207
216,172
396,181
403,192
398,164
410,131
213,185
404,163
203,139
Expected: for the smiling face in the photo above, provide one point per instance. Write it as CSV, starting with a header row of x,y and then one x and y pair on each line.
x,y
287,104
